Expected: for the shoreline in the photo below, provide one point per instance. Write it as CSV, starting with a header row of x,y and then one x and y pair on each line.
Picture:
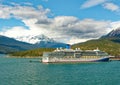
x,y
9,56
115,59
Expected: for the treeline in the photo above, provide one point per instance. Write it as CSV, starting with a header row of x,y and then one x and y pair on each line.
x,y
32,53
107,45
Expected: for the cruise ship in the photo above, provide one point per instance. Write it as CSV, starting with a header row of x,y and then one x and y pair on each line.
x,y
77,55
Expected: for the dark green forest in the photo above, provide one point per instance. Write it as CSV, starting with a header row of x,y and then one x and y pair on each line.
x,y
32,53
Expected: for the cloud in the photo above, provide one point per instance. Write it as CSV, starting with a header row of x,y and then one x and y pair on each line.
x,y
105,4
72,26
22,12
115,25
68,29
111,6
91,3
15,31
4,11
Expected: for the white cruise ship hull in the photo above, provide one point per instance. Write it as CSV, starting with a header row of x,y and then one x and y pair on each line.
x,y
55,60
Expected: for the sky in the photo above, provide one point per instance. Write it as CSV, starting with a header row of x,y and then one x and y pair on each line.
x,y
68,21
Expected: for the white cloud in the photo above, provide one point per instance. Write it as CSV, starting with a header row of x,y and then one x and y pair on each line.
x,y
4,11
115,25
91,3
71,30
74,40
22,12
111,6
15,31
106,4
67,29
79,28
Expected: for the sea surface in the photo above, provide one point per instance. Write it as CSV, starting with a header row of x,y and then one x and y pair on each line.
x,y
20,71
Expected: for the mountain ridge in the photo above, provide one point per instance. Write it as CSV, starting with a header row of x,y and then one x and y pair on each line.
x,y
8,45
11,45
113,34
41,41
34,39
109,43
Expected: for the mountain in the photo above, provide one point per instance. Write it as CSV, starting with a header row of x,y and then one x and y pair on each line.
x,y
11,45
109,43
113,34
8,45
41,41
104,44
34,39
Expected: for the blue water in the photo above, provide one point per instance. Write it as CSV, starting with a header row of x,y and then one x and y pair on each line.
x,y
19,71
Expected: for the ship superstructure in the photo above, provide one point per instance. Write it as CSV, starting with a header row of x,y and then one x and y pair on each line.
x,y
77,55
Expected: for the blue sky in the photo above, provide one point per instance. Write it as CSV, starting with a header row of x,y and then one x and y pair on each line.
x,y
69,21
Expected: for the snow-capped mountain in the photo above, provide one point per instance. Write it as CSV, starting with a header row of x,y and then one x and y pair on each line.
x,y
9,45
41,41
34,39
113,34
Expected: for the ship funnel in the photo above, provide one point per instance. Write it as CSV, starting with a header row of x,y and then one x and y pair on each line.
x,y
68,46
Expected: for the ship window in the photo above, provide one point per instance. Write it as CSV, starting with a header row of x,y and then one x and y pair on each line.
x,y
46,54
100,53
57,54
88,53
77,55
69,54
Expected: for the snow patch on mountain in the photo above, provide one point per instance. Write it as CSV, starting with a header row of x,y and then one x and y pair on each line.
x,y
34,39
113,34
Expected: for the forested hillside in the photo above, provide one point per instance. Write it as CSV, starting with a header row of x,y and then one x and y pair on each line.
x,y
32,53
109,45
